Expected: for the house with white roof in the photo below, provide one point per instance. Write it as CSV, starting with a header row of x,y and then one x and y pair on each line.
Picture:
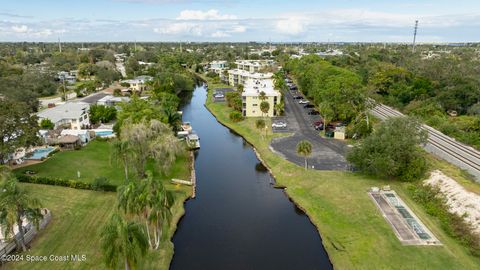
x,y
71,115
138,84
218,66
252,97
240,76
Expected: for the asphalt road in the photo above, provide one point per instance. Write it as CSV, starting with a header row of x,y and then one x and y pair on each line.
x,y
441,145
327,154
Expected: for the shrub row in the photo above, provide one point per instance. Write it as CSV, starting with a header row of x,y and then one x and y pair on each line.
x,y
104,186
454,225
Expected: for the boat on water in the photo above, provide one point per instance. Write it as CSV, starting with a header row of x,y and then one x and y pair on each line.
x,y
186,126
193,141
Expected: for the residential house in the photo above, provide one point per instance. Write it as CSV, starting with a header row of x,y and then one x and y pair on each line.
x,y
71,115
82,134
252,97
112,101
138,84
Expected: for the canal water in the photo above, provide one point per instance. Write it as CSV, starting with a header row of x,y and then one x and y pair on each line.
x,y
238,220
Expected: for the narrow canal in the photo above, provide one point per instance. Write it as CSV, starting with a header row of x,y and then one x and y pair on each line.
x,y
238,220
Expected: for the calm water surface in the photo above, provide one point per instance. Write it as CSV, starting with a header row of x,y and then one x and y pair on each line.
x,y
238,220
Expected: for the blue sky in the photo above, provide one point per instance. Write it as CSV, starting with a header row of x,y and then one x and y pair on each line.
x,y
228,20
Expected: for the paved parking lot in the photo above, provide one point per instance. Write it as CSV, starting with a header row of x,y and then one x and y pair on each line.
x,y
222,91
327,154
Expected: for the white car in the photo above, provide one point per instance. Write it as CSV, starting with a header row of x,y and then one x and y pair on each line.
x,y
279,125
218,96
303,101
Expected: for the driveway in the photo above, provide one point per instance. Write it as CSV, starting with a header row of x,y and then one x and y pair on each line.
x,y
327,154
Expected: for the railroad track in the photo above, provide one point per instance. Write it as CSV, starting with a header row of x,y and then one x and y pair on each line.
x,y
441,145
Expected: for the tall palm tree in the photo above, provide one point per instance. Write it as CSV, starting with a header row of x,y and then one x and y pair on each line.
x,y
151,202
173,117
121,152
304,148
15,205
123,242
260,124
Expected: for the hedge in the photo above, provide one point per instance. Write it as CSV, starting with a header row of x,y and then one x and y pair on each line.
x,y
62,182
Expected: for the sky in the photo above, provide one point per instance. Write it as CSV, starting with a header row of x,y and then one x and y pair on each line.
x,y
239,21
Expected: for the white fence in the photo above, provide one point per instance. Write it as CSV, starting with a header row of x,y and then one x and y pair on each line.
x,y
7,248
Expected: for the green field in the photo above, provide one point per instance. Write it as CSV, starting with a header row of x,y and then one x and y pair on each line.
x,y
78,215
93,161
354,233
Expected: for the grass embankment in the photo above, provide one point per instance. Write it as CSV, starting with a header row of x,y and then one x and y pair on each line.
x,y
78,215
354,233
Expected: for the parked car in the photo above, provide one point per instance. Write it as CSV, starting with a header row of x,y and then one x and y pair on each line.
x,y
308,106
303,101
279,125
218,96
318,125
313,112
297,97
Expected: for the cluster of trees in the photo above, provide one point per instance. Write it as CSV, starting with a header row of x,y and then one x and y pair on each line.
x,y
101,114
435,89
392,150
337,92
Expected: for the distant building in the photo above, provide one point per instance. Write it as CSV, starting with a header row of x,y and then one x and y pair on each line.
x,y
218,66
251,97
68,77
254,65
112,101
138,84
240,76
71,115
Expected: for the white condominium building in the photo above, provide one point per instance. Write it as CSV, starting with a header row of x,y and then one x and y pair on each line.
x,y
252,97
240,76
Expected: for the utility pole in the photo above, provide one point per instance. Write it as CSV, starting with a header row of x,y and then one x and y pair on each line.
x,y
415,36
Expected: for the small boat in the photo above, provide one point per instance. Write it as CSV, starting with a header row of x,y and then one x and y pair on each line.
x,y
182,134
186,126
193,141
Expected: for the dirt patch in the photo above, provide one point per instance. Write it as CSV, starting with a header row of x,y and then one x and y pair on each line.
x,y
459,200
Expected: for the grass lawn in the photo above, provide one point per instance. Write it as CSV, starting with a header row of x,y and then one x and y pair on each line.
x,y
79,215
93,161
354,233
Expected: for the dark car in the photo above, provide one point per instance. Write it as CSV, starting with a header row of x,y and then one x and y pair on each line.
x,y
313,112
297,97
318,125
308,106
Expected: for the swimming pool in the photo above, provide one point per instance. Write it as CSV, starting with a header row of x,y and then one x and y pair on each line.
x,y
40,153
104,133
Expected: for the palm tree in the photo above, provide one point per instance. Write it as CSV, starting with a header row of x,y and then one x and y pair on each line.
x,y
173,117
121,152
304,148
123,242
264,107
151,202
15,205
260,124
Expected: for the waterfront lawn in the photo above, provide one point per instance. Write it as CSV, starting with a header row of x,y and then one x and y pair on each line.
x,y
354,233
94,161
91,161
77,220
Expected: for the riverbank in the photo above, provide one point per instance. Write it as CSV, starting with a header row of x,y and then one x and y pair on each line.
x,y
354,233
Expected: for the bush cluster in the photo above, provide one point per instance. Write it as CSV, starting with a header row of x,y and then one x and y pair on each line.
x,y
96,185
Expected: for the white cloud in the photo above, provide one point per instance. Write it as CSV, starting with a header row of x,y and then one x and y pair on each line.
x,y
20,28
291,26
211,14
219,34
239,29
180,28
